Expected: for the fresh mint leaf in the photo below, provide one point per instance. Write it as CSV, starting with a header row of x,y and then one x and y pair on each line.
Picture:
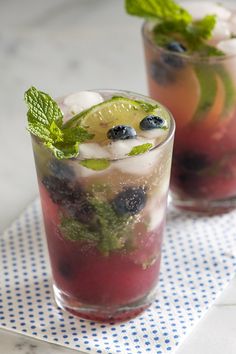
x,y
74,231
42,107
45,120
203,28
76,134
193,35
157,9
174,22
40,131
113,228
140,149
56,132
63,150
109,231
206,50
196,35
95,164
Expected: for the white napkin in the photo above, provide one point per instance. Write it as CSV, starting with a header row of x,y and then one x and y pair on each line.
x,y
198,262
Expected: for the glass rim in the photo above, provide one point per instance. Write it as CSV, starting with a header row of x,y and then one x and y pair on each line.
x,y
192,58
134,95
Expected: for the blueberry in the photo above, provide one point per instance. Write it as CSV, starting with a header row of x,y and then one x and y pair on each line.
x,y
151,122
161,73
193,162
130,201
81,210
187,173
61,170
64,269
58,190
176,47
121,132
173,60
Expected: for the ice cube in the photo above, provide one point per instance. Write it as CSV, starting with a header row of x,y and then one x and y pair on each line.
x,y
156,216
93,151
199,9
157,134
228,46
221,31
121,148
137,165
79,101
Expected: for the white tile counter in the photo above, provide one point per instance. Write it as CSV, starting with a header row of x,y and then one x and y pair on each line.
x,y
61,46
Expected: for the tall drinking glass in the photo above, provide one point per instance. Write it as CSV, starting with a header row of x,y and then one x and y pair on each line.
x,y
201,94
104,227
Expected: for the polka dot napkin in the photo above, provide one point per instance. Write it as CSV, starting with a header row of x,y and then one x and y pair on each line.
x,y
198,261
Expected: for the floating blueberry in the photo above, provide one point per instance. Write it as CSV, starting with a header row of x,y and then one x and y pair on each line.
x,y
81,210
73,200
58,189
151,122
192,162
61,169
130,201
161,73
121,132
189,173
174,60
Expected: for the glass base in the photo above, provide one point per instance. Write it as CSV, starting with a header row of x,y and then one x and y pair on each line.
x,y
210,207
101,314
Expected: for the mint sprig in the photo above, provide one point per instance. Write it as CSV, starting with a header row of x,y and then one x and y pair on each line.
x,y
140,149
108,231
157,9
174,22
42,108
45,120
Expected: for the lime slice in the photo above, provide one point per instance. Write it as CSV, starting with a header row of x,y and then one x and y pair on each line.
x,y
217,97
181,97
208,89
230,92
215,112
117,111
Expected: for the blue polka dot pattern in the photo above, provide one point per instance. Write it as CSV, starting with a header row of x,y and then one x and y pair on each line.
x,y
198,261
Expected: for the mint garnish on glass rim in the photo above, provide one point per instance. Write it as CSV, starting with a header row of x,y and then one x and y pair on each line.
x,y
45,120
174,21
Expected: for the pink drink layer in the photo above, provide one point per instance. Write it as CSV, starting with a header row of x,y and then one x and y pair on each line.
x,y
85,276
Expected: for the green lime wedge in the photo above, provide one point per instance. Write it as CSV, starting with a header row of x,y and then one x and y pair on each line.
x,y
230,92
208,88
118,110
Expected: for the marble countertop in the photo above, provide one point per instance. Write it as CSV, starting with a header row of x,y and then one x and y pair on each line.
x,y
62,46
12,343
